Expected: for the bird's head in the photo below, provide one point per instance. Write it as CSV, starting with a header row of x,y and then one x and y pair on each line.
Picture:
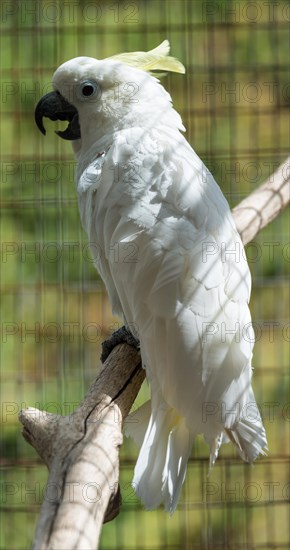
x,y
107,94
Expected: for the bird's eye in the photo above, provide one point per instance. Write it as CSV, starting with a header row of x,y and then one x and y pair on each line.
x,y
88,89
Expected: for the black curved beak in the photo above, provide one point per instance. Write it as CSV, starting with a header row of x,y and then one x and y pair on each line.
x,y
56,107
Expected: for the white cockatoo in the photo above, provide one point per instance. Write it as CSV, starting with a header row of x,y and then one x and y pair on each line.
x,y
165,244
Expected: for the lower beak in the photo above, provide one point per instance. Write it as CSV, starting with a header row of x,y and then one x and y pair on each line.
x,y
55,107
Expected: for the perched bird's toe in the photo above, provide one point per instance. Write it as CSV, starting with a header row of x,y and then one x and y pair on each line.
x,y
120,336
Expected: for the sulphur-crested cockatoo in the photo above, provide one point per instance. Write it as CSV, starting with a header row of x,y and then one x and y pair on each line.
x,y
165,244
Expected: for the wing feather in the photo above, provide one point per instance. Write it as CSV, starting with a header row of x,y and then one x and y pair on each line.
x,y
186,293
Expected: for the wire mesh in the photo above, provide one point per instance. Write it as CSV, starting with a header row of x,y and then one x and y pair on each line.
x,y
234,101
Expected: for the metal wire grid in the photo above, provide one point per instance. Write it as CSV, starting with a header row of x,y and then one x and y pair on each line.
x,y
53,308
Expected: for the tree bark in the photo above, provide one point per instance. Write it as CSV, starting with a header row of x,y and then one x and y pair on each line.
x,y
264,204
81,450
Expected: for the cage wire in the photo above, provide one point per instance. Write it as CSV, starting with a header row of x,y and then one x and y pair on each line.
x,y
234,101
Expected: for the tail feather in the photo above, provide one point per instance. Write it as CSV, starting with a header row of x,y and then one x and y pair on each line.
x,y
165,445
248,433
161,466
249,439
179,447
214,450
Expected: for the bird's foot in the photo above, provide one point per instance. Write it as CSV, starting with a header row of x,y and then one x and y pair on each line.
x,y
120,336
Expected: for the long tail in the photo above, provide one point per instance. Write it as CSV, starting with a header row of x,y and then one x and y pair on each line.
x,y
162,462
166,445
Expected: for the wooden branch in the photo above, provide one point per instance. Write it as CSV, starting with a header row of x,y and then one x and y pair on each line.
x,y
82,450
82,454
264,204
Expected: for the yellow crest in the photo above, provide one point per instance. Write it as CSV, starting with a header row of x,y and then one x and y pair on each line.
x,y
154,60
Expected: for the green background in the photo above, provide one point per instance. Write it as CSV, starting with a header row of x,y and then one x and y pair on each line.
x,y
234,101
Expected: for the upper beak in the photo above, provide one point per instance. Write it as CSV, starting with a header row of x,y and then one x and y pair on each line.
x,y
56,107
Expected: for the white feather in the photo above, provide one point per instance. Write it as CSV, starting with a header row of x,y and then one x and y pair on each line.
x,y
167,240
